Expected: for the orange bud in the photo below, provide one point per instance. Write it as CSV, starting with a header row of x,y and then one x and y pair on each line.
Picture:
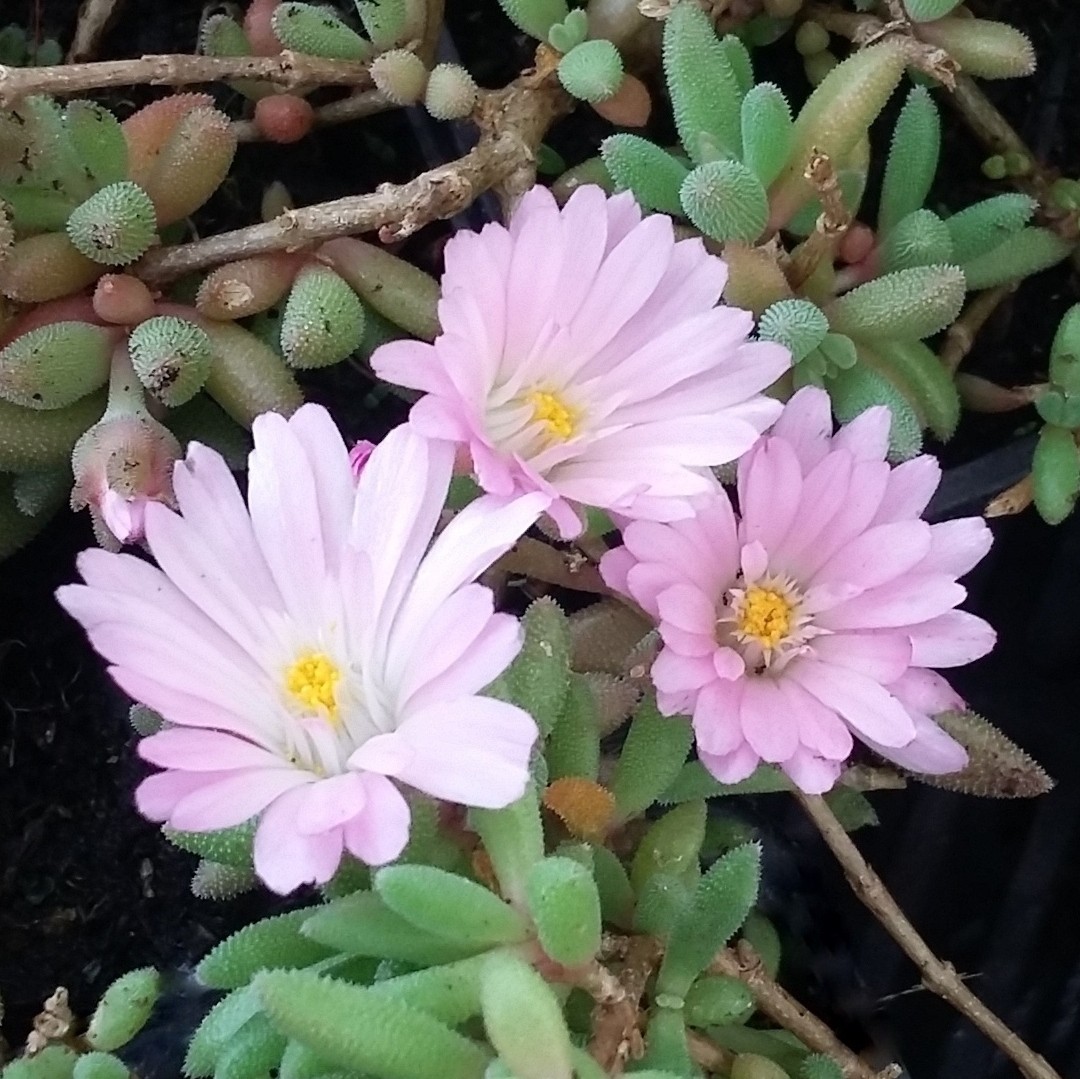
x,y
629,106
284,118
584,806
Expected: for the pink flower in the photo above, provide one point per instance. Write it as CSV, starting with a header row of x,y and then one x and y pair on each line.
x,y
306,653
583,354
359,455
816,613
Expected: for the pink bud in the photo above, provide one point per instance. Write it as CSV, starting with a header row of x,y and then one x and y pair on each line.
x,y
359,454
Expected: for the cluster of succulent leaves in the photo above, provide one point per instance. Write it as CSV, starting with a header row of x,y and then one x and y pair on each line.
x,y
738,177
19,49
1056,465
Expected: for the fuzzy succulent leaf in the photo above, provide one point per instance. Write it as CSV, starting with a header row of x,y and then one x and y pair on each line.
x,y
739,61
660,902
913,303
716,1000
222,35
765,117
30,439
362,924
927,10
447,905
401,75
524,1020
919,239
565,907
1059,409
55,365
395,288
613,885
835,118
539,678
693,781
450,992
651,757
98,140
123,1009
983,49
650,173
671,845
985,225
591,71
271,942
1027,252
535,17
666,1047
799,325
386,21
819,1066
217,1031
922,377
323,320
115,225
573,747
53,1062
317,31
997,767
42,492
756,1066
1056,473
100,1066
720,905
245,287
569,33
45,267
172,357
450,93
726,201
912,160
230,846
1065,353
858,388
704,87
212,880
513,838
254,1053
359,1030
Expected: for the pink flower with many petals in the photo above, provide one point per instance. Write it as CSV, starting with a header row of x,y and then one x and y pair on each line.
x,y
583,354
307,654
816,612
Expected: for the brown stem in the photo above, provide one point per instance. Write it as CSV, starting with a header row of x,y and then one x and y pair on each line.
x,y
707,1054
1012,500
939,977
616,1029
960,336
288,69
514,122
355,107
783,1009
534,558
94,19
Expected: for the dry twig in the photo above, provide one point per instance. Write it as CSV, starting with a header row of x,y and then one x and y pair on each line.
x,y
355,107
289,69
1012,500
939,977
960,336
616,1025
782,1008
94,19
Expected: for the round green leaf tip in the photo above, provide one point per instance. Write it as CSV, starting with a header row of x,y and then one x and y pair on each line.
x,y
172,357
565,907
592,71
115,225
726,201
323,321
123,1009
799,325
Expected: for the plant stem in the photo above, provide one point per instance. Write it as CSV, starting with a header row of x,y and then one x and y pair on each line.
x,y
616,1034
939,977
94,19
289,69
960,336
782,1008
354,107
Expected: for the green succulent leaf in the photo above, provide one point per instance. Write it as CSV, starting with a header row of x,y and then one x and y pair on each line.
x,y
919,239
704,86
1027,252
362,924
222,35
272,942
1065,353
172,357
449,991
613,886
858,388
929,386
212,880
359,1030
922,11
661,901
230,846
739,61
1059,409
799,325
217,1030
693,781
666,1047
720,905
1056,474
912,160
514,840
565,907
539,678
317,31
653,175
765,117
983,48
114,226
671,845
535,17
654,751
55,365
985,225
569,33
524,1020
591,71
573,747
253,1053
818,1066
716,1000
100,1066
912,303
449,906
98,140
323,321
123,1009
386,21
726,201
53,1062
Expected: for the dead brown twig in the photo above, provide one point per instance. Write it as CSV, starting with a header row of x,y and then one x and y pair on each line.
x,y
939,977
354,107
616,1023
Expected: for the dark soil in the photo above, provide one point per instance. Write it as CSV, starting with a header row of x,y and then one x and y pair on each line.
x,y
88,889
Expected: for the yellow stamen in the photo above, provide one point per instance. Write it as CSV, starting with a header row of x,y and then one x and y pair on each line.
x,y
765,615
313,680
553,412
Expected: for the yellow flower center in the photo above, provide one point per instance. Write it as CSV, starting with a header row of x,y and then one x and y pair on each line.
x,y
553,413
313,680
765,615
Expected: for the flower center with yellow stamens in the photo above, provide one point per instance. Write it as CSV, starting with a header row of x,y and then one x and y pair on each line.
x,y
765,615
553,413
313,680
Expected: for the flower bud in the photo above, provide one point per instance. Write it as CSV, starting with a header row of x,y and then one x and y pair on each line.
x,y
284,118
358,456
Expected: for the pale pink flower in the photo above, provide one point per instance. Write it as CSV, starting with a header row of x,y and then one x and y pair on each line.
x,y
359,455
306,654
816,612
583,354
